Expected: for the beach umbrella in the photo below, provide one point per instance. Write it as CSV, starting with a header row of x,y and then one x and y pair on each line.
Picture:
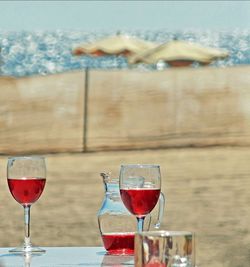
x,y
179,53
114,45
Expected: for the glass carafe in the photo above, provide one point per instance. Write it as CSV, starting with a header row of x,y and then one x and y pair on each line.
x,y
117,225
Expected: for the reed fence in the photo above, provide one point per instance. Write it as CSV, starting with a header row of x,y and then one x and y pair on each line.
x,y
125,109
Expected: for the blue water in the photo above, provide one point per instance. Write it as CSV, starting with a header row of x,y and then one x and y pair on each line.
x,y
47,52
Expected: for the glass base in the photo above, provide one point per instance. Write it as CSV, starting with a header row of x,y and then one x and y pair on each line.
x,y
27,249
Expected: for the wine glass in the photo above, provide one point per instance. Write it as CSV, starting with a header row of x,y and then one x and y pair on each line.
x,y
26,177
140,188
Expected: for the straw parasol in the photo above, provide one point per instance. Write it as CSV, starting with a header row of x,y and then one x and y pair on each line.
x,y
179,53
117,45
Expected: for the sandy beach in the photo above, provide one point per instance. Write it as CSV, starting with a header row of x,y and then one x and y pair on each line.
x,y
206,191
92,85
196,125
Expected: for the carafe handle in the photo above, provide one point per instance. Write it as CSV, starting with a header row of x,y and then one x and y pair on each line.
x,y
160,211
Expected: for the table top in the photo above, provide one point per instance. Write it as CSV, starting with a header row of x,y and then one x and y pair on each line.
x,y
65,257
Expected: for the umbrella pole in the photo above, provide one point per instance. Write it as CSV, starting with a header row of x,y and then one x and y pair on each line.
x,y
85,109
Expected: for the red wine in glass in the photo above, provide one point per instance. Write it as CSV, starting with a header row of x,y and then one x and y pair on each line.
x,y
140,186
140,201
119,243
27,190
26,177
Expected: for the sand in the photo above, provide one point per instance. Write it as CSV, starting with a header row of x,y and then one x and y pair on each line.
x,y
206,187
207,191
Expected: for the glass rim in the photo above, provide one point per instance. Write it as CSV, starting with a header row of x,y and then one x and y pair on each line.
x,y
139,165
164,233
26,157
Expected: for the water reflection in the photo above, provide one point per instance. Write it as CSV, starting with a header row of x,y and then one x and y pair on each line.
x,y
117,260
46,52
15,259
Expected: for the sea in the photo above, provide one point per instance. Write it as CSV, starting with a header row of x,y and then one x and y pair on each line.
x,y
26,53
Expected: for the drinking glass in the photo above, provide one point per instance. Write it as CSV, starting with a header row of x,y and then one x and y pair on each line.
x,y
26,177
165,249
140,188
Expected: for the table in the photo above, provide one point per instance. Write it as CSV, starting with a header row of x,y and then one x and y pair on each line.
x,y
65,257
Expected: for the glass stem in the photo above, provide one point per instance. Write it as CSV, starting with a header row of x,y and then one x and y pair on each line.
x,y
140,223
27,242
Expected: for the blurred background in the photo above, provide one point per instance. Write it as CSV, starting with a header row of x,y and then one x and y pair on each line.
x,y
96,84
